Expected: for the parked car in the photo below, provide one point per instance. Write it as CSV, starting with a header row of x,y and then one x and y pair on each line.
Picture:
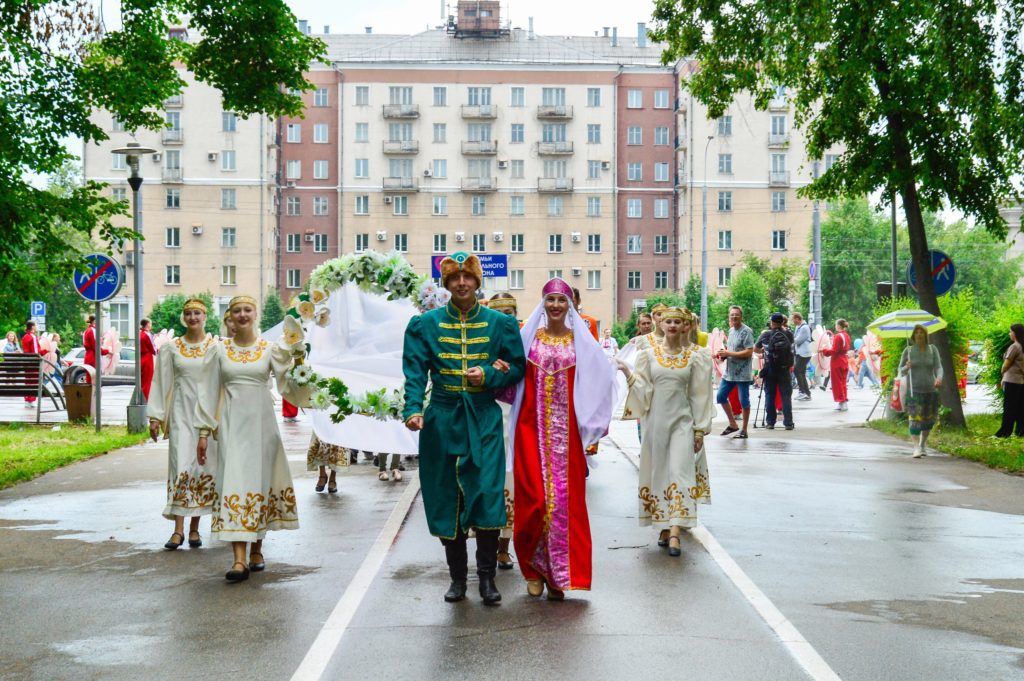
x,y
124,372
975,360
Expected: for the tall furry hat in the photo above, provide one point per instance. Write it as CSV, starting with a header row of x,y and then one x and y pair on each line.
x,y
461,262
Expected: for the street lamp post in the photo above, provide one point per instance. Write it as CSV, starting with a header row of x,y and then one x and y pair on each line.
x,y
137,407
704,244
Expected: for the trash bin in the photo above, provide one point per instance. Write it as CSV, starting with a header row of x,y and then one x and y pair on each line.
x,y
78,398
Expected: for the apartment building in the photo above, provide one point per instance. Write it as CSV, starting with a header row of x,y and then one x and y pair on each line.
x,y
207,201
1014,236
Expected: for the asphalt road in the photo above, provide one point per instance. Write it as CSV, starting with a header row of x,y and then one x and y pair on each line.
x,y
827,552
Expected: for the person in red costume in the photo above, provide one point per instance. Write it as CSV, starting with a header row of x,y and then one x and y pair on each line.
x,y
147,355
839,363
30,345
89,342
590,321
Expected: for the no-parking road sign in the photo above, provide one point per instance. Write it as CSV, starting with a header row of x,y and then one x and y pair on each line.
x,y
943,273
99,279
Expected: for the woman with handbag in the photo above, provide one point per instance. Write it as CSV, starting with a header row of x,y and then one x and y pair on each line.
x,y
921,367
1013,385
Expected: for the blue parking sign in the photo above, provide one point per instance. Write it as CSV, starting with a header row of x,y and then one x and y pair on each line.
x,y
37,309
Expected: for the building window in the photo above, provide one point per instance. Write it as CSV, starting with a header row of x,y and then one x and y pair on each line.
x,y
294,279
518,241
293,243
724,277
363,205
227,275
517,206
400,206
661,136
116,126
479,204
515,279
661,244
554,274
593,96
778,239
479,96
119,318
634,99
172,237
320,97
172,197
634,171
227,237
440,243
118,194
293,205
593,279
320,204
725,164
227,160
778,163
554,243
553,132
634,208
479,243
319,243
634,135
593,206
518,133
293,170
517,168
830,160
440,96
661,172
724,201
479,132
517,97
593,133
118,161
362,132
362,242
228,121
725,126
633,280
362,167
661,280
440,133
319,170
593,170
172,275
778,126
555,206
661,99
402,243
634,244
553,96
294,133
440,204
593,243
661,208
725,239
228,199
362,95
320,133
778,202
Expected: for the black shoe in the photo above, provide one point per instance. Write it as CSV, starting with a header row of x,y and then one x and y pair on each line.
x,y
256,563
790,427
663,538
674,551
171,545
488,590
234,575
456,592
769,426
195,543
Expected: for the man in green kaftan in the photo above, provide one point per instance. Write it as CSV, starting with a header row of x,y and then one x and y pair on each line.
x,y
462,451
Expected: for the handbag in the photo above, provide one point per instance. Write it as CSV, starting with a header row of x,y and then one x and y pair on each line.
x,y
899,395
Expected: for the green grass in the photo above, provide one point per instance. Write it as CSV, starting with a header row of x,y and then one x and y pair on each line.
x,y
27,451
974,443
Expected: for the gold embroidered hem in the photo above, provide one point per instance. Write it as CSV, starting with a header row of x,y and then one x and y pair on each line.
x,y
190,495
322,453
252,516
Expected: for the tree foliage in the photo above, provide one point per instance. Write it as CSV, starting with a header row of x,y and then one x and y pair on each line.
x,y
748,290
273,310
167,313
780,279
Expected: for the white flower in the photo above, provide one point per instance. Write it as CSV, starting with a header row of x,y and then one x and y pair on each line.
x,y
301,375
443,296
292,335
306,310
429,288
321,399
323,317
317,295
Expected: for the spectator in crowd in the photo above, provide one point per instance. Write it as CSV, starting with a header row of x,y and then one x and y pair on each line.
x,y
839,363
12,344
802,352
739,347
921,365
644,324
590,321
776,344
609,345
1013,385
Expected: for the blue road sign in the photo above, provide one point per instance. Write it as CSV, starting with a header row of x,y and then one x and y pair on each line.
x,y
493,264
37,309
99,279
943,273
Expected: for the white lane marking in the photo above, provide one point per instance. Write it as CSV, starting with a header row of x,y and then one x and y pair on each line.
x,y
801,650
320,653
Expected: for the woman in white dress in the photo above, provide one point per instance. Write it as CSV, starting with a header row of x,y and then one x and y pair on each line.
x,y
254,486
670,389
191,489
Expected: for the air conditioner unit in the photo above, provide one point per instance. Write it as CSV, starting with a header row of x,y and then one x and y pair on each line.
x,y
211,156
309,237
197,230
577,271
428,172
606,165
460,236
157,157
129,258
388,199
290,184
503,164
576,237
499,237
382,235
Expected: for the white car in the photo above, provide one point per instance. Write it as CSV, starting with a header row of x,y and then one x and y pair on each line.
x,y
124,373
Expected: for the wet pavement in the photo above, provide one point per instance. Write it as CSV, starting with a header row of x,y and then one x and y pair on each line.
x,y
890,568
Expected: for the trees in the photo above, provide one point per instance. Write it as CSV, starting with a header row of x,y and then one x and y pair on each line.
x,y
926,99
780,280
60,63
273,310
747,290
167,313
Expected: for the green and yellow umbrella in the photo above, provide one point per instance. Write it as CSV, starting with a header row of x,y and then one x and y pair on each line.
x,y
901,323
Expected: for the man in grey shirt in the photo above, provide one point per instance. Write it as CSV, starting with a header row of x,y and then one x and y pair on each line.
x,y
802,350
738,371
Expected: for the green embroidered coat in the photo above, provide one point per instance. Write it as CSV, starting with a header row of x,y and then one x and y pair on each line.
x,y
462,450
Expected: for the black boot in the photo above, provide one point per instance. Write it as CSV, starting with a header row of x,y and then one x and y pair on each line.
x,y
487,565
457,557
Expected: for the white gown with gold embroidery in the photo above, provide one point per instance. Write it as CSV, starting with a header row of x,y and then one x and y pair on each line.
x,y
254,485
672,395
191,489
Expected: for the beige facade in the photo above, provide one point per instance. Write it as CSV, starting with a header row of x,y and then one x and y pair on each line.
x,y
207,202
1014,236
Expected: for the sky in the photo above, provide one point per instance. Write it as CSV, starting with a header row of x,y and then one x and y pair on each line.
x,y
561,17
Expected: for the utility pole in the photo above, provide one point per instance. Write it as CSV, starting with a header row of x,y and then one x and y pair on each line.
x,y
816,317
893,255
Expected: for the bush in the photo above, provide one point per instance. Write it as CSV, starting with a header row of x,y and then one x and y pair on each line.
x,y
273,310
996,339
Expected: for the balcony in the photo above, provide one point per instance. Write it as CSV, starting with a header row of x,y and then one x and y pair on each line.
x,y
554,185
401,111
480,148
558,112
171,175
174,102
778,104
482,111
401,184
402,147
554,148
778,178
778,141
479,184
174,136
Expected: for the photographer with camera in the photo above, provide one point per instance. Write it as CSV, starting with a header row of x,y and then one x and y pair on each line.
x,y
776,344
